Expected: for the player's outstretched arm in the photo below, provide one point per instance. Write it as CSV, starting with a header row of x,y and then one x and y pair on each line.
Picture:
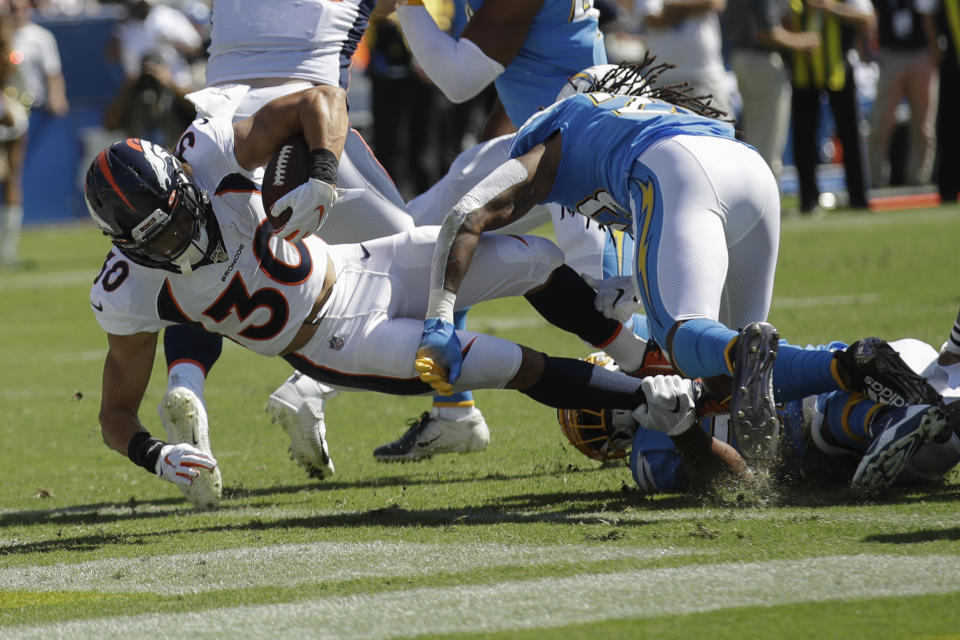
x,y
505,195
126,372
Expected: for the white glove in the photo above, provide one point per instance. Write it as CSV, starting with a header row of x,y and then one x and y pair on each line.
x,y
616,297
310,202
669,407
179,463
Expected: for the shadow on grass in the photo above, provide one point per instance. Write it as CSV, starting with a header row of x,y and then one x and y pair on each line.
x,y
426,477
106,512
914,537
562,507
590,508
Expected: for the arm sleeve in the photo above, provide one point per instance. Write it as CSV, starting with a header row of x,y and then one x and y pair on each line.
x,y
441,301
458,67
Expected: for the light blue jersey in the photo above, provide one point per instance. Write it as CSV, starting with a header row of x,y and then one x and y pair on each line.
x,y
563,38
658,466
603,135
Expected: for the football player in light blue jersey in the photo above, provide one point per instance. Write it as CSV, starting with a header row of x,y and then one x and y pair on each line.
x,y
827,439
527,48
703,210
830,438
562,36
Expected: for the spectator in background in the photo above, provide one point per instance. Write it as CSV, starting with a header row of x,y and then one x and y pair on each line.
x,y
686,33
405,108
828,70
755,37
417,132
37,84
151,105
907,56
948,124
156,28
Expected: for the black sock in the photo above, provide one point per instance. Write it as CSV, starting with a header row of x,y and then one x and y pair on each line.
x,y
567,302
568,383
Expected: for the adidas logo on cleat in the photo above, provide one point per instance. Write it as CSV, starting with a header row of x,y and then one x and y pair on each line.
x,y
882,393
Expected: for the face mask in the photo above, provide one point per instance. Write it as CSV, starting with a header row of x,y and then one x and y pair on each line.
x,y
193,253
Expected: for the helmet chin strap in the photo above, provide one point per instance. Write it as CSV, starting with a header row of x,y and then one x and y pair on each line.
x,y
194,253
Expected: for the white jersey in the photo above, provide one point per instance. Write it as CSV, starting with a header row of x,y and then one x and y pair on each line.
x,y
311,40
259,296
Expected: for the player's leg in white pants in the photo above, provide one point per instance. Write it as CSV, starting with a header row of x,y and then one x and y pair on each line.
x,y
582,243
372,294
706,237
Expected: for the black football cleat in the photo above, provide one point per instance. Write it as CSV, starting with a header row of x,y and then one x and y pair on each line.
x,y
872,367
753,414
430,434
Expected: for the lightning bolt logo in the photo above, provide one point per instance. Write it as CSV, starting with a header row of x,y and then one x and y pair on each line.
x,y
644,219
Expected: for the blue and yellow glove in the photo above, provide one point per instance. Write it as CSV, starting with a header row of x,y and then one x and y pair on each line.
x,y
439,356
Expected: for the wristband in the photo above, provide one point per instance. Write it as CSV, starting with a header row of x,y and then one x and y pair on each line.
x,y
322,164
440,304
144,450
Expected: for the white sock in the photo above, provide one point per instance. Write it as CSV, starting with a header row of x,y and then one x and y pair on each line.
x,y
186,374
451,413
626,349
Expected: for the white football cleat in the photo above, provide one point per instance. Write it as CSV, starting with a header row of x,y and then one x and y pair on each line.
x,y
297,406
185,419
431,434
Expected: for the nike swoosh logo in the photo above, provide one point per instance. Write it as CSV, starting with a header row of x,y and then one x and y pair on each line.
x,y
98,306
366,254
427,443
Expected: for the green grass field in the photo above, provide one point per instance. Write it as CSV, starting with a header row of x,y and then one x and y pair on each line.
x,y
528,539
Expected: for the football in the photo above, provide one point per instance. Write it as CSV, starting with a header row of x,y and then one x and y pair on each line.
x,y
286,171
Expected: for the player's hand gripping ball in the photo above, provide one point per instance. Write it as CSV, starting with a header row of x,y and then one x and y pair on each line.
x,y
296,204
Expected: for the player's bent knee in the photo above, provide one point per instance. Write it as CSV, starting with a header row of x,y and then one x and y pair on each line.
x,y
541,255
489,363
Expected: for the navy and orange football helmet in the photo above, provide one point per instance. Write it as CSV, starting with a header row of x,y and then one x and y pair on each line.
x,y
139,195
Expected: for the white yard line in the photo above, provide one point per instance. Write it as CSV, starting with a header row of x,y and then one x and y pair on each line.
x,y
54,279
826,301
298,564
542,603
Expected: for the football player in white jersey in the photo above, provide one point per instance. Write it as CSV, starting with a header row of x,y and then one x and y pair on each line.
x,y
192,244
259,52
